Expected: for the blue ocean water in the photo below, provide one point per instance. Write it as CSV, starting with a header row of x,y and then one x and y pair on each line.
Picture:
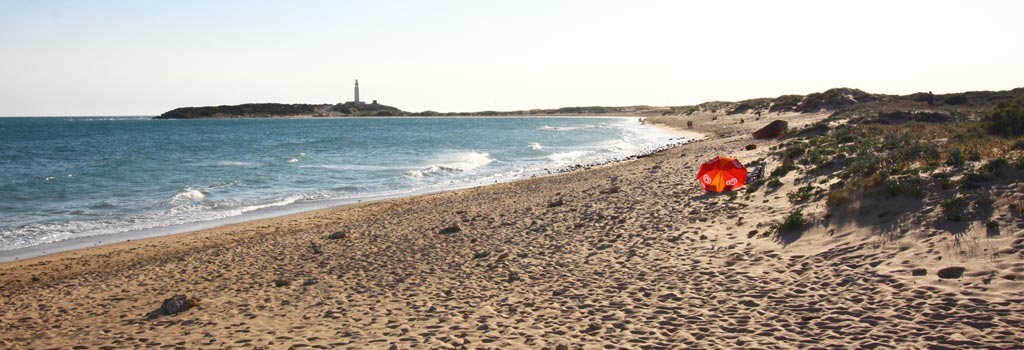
x,y
65,178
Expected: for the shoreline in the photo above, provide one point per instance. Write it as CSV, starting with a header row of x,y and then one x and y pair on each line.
x,y
87,242
626,255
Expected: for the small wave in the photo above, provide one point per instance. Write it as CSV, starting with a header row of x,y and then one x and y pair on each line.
x,y
620,145
231,163
564,128
454,162
535,146
297,158
188,194
102,205
568,158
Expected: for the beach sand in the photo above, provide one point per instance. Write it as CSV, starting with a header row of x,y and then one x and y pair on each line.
x,y
629,255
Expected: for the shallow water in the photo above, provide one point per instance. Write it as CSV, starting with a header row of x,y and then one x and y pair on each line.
x,y
67,178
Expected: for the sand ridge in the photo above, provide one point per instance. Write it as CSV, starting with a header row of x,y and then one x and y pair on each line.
x,y
631,255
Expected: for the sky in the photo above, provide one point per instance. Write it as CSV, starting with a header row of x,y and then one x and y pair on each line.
x,y
65,58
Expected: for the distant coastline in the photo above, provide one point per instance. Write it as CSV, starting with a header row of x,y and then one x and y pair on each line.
x,y
942,105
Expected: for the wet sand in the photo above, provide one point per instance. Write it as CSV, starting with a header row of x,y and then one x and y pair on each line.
x,y
628,255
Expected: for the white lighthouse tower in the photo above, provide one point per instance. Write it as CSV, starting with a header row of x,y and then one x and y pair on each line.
x,y
357,92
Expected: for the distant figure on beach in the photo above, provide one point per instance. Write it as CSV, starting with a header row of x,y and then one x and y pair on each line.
x,y
641,120
689,124
931,99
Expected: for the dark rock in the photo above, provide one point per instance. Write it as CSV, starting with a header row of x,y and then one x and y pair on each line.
x,y
310,282
317,249
454,228
481,255
773,129
282,282
176,304
513,276
951,272
561,347
919,271
556,203
338,235
750,147
751,234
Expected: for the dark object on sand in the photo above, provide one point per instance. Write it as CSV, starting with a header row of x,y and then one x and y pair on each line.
x,y
756,172
951,272
338,235
454,228
173,305
556,203
751,147
919,271
774,129
689,124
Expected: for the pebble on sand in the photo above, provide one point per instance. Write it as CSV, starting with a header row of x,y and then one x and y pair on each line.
x,y
454,228
951,272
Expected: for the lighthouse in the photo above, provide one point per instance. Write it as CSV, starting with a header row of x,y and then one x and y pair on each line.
x,y
357,92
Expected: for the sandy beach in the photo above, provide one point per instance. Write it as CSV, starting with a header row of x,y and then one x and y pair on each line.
x,y
629,255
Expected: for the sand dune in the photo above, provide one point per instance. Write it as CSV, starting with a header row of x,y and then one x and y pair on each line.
x,y
630,255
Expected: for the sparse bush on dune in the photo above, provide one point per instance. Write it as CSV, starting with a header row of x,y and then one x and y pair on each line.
x,y
955,99
951,160
785,103
1006,119
792,222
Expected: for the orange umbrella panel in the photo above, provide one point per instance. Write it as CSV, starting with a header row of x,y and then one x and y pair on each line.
x,y
722,174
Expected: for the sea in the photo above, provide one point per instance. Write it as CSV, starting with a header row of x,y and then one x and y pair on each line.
x,y
89,180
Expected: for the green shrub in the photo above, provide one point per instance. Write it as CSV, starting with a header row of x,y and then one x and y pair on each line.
x,y
792,222
783,170
908,185
954,209
973,154
944,180
774,183
955,158
992,167
955,99
794,150
753,186
838,196
801,194
1006,119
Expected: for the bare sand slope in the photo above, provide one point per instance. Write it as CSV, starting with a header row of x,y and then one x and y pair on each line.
x,y
631,255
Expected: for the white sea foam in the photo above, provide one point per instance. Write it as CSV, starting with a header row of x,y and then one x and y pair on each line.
x,y
297,158
189,194
569,158
454,162
564,128
535,146
231,163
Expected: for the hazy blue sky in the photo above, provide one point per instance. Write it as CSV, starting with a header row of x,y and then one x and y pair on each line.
x,y
147,57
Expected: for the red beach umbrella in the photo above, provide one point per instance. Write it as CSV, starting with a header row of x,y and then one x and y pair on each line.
x,y
722,174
